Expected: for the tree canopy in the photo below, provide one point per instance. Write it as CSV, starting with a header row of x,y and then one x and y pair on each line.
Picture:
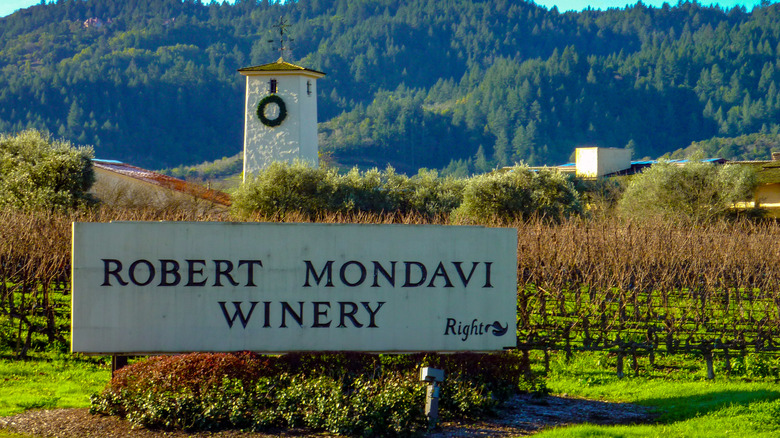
x,y
37,172
699,192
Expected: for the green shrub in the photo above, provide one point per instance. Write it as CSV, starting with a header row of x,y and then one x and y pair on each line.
x,y
37,172
298,187
350,393
370,191
697,192
517,194
520,194
283,188
430,195
600,196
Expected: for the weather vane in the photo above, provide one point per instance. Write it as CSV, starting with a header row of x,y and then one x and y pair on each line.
x,y
282,26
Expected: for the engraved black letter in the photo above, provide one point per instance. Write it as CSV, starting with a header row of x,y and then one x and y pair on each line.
x,y
250,276
372,312
343,273
226,272
318,312
298,317
350,314
115,272
440,272
327,269
379,269
423,274
172,270
191,273
149,266
239,313
487,274
463,278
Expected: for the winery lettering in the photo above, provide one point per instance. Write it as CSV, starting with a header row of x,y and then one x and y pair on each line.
x,y
320,314
168,272
353,273
474,328
415,274
314,314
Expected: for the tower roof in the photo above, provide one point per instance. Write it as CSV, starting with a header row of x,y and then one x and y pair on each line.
x,y
280,66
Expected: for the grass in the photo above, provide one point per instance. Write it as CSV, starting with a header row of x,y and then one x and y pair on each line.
x,y
50,382
685,403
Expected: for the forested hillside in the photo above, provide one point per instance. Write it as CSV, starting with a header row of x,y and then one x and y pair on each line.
x,y
463,85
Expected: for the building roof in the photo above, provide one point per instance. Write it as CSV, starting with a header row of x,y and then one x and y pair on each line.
x,y
767,172
279,66
639,165
164,181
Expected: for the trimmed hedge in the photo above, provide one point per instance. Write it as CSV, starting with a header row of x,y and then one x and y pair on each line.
x,y
345,393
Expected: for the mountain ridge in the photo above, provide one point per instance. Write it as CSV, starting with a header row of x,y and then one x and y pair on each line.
x,y
461,86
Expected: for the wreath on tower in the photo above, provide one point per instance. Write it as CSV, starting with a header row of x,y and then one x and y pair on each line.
x,y
272,98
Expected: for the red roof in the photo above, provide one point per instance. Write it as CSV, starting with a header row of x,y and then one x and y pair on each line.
x,y
164,181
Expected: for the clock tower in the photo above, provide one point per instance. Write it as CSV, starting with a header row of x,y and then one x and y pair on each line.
x,y
280,121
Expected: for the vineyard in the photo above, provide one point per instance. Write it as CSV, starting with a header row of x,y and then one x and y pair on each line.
x,y
634,290
643,290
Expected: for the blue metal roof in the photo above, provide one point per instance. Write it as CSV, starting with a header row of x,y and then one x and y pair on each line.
x,y
680,161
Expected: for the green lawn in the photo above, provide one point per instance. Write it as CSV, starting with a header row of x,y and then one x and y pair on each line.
x,y
687,405
62,382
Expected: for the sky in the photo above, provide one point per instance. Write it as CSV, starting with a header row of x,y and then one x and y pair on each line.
x,y
8,7
578,5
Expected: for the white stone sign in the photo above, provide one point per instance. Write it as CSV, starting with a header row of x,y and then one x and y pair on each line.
x,y
164,287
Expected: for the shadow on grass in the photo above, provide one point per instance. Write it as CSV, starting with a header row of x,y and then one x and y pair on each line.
x,y
678,408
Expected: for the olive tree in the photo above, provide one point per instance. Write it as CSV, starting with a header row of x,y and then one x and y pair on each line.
x,y
520,194
37,172
698,192
283,188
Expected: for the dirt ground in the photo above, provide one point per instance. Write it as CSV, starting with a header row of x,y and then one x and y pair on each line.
x,y
521,415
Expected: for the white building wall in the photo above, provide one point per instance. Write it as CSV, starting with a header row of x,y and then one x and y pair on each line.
x,y
296,137
597,162
309,147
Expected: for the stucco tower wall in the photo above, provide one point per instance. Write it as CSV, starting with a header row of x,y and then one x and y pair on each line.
x,y
296,137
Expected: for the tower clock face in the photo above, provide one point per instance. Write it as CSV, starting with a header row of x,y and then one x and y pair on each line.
x,y
271,110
